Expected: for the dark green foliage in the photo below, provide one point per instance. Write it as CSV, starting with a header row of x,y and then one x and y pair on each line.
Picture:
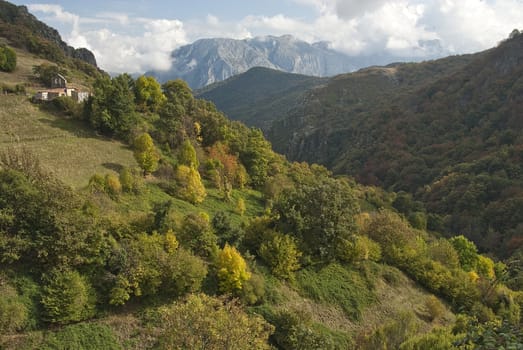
x,y
110,109
269,91
82,336
295,331
7,59
491,336
319,214
64,105
40,221
147,265
196,235
256,157
226,233
67,297
337,285
445,131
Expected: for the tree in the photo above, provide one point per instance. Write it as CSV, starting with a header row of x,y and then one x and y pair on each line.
x,y
232,270
110,109
467,252
46,72
7,59
66,297
189,184
148,92
281,255
204,322
145,153
196,235
153,264
240,206
320,214
187,155
256,157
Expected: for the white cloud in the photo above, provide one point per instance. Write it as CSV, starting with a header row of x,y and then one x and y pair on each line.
x,y
123,43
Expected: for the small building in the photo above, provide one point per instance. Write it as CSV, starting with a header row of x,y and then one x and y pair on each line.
x,y
60,87
58,81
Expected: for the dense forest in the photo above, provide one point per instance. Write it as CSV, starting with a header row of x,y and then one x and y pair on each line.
x,y
206,238
444,134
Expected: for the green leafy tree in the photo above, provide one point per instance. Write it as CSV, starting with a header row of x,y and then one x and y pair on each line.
x,y
110,109
7,59
187,155
467,252
204,322
153,264
149,95
232,270
320,214
240,206
66,297
256,157
145,153
189,184
46,72
196,235
282,255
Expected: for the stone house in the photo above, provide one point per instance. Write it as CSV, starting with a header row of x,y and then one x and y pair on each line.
x,y
60,87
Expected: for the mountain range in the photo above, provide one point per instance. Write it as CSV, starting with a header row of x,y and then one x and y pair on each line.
x,y
207,61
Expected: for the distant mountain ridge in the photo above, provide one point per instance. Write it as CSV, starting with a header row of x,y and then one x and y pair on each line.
x,y
273,92
208,61
25,31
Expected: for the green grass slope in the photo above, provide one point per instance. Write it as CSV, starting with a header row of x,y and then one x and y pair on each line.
x,y
65,147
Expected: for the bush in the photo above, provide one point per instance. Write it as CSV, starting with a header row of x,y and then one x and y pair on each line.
x,y
7,59
281,254
85,336
66,297
203,322
13,312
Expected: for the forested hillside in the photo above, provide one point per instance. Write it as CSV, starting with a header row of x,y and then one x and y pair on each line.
x,y
272,94
446,132
181,229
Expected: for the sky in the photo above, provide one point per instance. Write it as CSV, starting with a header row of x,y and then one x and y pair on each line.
x,y
139,35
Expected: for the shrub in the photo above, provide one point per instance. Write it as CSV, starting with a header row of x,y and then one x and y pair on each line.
x,y
7,59
13,312
281,254
84,336
203,322
113,187
232,270
66,297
